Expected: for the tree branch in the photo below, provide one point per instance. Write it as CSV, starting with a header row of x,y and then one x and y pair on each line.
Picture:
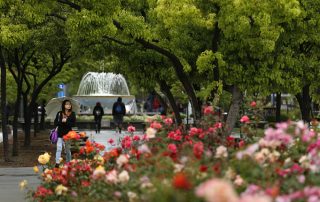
x,y
118,41
57,16
71,4
28,59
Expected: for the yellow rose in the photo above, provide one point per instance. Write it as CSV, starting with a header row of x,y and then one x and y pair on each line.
x,y
44,158
23,184
47,178
98,172
60,189
36,169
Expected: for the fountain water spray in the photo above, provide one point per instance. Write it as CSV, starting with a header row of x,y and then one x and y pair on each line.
x,y
104,88
94,83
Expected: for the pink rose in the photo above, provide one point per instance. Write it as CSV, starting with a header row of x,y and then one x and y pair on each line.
x,y
253,104
244,119
217,190
111,141
168,121
208,110
172,148
131,129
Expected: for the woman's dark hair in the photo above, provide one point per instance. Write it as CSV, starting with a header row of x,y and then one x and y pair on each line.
x,y
119,99
64,103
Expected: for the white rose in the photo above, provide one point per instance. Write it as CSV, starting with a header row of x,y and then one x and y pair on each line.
x,y
124,177
238,181
132,196
112,177
221,152
151,133
178,168
122,159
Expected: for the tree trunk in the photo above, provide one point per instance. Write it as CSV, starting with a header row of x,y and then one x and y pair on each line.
x,y
27,131
27,122
15,146
215,47
18,79
3,106
234,109
36,119
304,100
166,90
278,108
42,119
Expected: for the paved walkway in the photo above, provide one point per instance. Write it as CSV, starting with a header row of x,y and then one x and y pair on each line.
x,y
11,177
9,183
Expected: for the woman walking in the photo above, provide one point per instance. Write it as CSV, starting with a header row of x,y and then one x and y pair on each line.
x,y
64,120
98,113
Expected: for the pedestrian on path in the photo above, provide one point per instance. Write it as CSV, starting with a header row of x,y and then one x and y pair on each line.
x,y
98,113
155,104
118,111
64,120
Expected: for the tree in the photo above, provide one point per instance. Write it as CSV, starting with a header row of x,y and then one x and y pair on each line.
x,y
138,23
242,42
250,41
3,106
36,50
11,35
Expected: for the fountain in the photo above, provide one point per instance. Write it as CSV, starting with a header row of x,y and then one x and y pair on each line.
x,y
104,88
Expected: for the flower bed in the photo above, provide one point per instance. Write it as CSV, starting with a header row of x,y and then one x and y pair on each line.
x,y
171,163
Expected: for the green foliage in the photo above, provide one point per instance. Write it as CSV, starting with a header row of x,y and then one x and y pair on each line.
x,y
13,35
263,46
205,92
179,93
36,41
205,61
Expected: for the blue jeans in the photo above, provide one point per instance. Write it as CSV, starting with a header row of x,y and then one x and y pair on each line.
x,y
66,145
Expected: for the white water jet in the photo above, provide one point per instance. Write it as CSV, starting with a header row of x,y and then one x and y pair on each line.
x,y
94,83
104,88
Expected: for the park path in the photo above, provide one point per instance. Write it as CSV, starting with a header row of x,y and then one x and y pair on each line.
x,y
11,177
9,183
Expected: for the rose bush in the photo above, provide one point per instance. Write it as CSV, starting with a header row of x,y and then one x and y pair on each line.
x,y
172,163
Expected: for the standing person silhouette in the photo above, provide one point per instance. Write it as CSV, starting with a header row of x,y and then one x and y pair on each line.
x,y
64,120
155,104
98,113
118,111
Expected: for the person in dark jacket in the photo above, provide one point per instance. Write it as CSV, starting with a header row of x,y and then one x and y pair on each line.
x,y
64,120
98,113
118,111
